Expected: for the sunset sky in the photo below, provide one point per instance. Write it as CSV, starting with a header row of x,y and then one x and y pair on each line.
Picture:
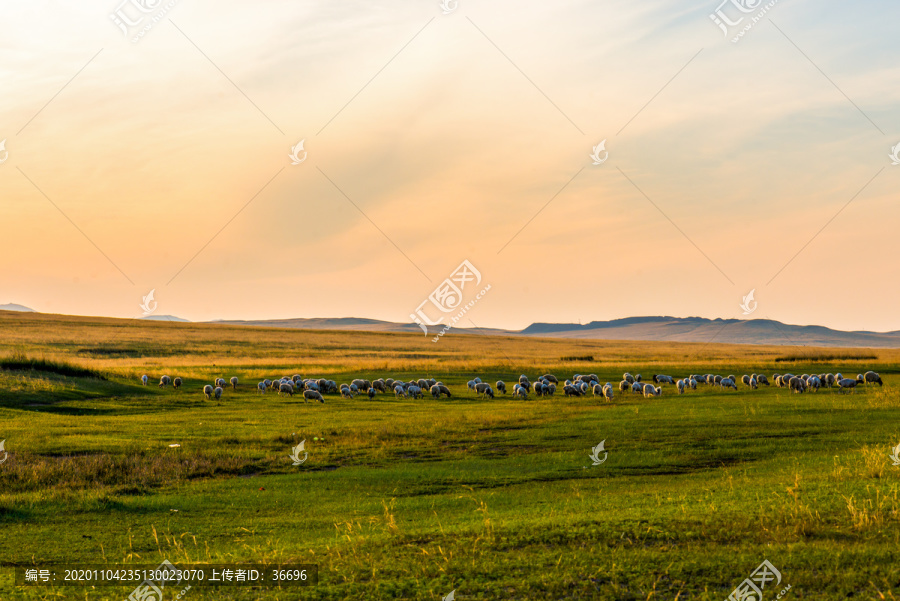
x,y
433,138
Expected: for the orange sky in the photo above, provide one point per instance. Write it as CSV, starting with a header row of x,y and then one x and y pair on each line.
x,y
434,138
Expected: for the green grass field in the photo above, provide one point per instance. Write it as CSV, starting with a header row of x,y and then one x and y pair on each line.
x,y
410,499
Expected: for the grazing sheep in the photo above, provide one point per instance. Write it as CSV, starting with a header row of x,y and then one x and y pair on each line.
x,y
220,382
444,390
628,377
624,385
435,391
164,381
176,383
471,384
234,382
873,378
761,379
218,392
551,378
680,385
608,391
745,380
286,387
637,378
797,385
597,390
663,379
728,383
489,392
753,384
477,380
414,391
268,384
482,388
637,387
359,384
693,383
371,393
814,383
208,390
571,391
389,383
345,393
501,386
520,391
261,387
313,395
379,385
398,391
537,387
144,379
652,391
846,383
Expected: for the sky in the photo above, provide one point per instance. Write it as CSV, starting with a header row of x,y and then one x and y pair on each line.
x,y
435,134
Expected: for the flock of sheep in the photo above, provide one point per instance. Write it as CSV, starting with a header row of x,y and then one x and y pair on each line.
x,y
546,385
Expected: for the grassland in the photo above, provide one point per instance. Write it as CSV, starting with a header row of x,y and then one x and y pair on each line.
x,y
404,499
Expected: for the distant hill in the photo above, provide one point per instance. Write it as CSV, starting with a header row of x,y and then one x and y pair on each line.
x,y
359,324
676,329
165,318
15,307
700,329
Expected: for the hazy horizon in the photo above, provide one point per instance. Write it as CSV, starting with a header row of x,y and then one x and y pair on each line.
x,y
435,138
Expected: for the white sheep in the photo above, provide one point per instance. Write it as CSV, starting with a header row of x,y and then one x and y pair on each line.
x,y
313,395
652,391
261,387
144,379
164,381
176,383
208,390
608,391
234,382
680,385
218,392
873,378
